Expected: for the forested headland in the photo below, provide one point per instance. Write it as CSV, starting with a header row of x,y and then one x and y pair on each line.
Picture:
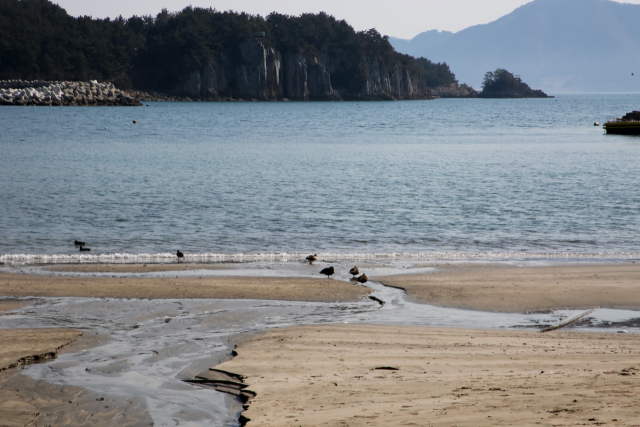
x,y
504,84
209,54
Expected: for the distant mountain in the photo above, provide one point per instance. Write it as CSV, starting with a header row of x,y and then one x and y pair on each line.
x,y
554,45
419,43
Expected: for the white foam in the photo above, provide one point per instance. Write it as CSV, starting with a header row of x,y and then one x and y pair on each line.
x,y
14,259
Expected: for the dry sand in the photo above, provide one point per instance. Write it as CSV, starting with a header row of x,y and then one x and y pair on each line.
x,y
266,288
326,376
496,287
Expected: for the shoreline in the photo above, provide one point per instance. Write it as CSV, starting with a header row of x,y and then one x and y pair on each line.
x,y
500,287
492,287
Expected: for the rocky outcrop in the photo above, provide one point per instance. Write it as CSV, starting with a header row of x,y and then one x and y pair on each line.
x,y
455,91
264,74
18,92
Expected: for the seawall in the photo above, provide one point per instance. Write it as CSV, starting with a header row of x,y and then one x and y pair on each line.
x,y
50,93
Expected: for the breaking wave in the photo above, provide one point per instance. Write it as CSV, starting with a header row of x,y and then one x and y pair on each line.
x,y
124,258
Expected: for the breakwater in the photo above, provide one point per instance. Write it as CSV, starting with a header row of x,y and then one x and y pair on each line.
x,y
66,93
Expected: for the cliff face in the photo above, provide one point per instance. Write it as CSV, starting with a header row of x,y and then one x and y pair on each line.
x,y
264,74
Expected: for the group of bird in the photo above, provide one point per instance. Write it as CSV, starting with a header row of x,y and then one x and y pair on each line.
x,y
81,245
330,271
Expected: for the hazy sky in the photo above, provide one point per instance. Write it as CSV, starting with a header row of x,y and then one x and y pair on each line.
x,y
399,18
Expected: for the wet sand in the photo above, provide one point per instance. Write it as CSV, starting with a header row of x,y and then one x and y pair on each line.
x,y
21,346
325,375
11,305
498,287
265,288
134,268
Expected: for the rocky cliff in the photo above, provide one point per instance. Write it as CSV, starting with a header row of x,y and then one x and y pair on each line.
x,y
265,74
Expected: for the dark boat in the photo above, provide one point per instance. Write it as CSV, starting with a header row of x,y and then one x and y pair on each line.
x,y
629,124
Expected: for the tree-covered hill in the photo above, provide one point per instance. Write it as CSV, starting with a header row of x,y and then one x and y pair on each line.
x,y
39,40
503,84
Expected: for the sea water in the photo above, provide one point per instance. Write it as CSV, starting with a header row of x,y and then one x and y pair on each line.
x,y
271,182
459,177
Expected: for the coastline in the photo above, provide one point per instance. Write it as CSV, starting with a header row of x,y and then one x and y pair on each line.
x,y
490,286
325,373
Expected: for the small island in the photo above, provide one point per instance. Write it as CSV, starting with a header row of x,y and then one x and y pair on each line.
x,y
503,84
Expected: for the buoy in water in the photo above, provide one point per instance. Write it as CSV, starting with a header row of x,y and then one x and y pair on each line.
x,y
135,121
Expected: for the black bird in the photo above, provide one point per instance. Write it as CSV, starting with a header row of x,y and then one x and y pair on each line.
x,y
79,243
312,258
180,255
84,249
328,271
363,278
354,271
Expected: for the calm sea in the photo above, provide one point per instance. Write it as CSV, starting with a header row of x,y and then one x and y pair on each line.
x,y
456,177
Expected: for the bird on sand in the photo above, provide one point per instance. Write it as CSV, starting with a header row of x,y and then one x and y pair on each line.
x,y
79,243
180,255
363,278
328,271
312,258
354,271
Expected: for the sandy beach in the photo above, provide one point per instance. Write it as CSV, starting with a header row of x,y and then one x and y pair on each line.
x,y
266,288
499,287
488,287
339,375
19,347
327,375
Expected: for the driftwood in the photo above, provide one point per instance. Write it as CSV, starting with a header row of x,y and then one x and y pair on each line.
x,y
567,322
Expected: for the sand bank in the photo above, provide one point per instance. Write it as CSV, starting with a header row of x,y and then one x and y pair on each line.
x,y
134,268
326,375
266,288
496,287
20,346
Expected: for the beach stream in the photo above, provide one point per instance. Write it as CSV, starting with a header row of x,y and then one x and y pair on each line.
x,y
135,355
